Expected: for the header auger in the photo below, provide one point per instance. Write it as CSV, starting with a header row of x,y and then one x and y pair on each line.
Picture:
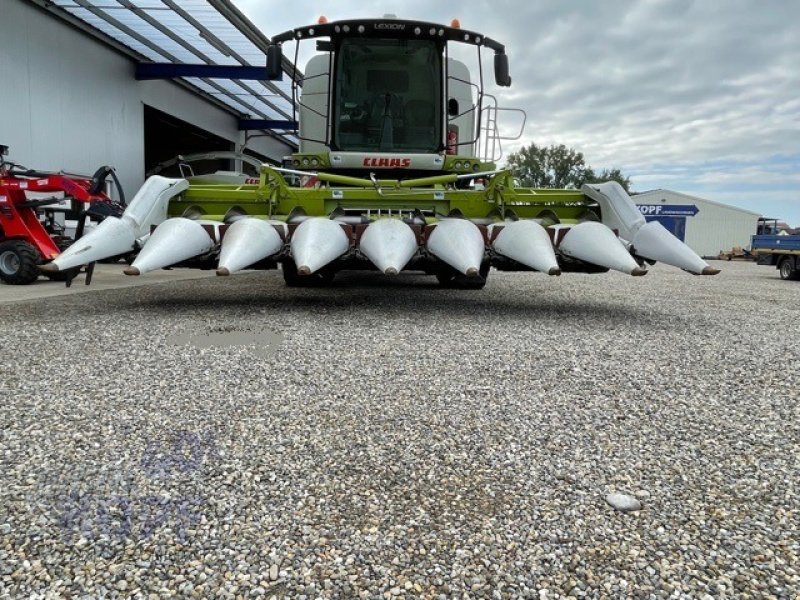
x,y
395,171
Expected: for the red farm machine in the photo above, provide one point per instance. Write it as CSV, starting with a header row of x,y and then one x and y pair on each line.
x,y
31,232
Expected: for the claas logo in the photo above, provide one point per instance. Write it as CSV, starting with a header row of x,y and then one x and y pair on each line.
x,y
386,163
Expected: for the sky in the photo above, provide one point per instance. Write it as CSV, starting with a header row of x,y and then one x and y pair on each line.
x,y
697,96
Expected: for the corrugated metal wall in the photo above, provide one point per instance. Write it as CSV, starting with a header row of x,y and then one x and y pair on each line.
x,y
714,228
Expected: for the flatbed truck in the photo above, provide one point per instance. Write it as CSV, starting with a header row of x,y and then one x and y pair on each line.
x,y
781,251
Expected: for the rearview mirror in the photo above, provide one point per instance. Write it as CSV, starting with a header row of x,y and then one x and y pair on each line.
x,y
501,76
274,62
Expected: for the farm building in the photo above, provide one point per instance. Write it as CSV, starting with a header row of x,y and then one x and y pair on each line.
x,y
81,96
707,227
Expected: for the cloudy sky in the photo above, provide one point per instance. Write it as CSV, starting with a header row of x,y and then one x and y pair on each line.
x,y
699,96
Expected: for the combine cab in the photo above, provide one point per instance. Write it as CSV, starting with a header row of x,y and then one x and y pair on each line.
x,y
395,171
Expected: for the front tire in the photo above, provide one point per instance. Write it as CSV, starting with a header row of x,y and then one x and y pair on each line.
x,y
292,278
452,279
18,262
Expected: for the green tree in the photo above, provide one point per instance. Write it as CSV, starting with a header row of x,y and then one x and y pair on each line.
x,y
611,175
558,167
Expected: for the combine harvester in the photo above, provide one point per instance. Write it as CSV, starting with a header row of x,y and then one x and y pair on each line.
x,y
395,172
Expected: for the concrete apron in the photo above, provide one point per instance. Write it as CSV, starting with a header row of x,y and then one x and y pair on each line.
x,y
106,277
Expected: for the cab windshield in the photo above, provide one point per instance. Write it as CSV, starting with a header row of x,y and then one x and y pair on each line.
x,y
388,96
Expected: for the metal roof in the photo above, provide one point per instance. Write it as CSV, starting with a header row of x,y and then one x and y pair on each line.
x,y
211,32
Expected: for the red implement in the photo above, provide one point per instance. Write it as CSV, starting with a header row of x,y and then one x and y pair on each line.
x,y
26,240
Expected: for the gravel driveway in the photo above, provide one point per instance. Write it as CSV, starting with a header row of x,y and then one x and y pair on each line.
x,y
233,438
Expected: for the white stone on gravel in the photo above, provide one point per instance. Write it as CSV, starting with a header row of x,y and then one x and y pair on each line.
x,y
623,502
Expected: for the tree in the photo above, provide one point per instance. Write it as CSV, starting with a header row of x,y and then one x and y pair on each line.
x,y
558,167
611,175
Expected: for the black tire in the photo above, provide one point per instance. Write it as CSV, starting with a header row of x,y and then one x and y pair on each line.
x,y
446,278
451,279
292,278
786,268
18,262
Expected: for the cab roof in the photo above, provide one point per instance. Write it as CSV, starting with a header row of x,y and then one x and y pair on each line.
x,y
389,28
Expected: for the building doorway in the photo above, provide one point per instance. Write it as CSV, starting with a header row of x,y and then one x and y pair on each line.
x,y
166,136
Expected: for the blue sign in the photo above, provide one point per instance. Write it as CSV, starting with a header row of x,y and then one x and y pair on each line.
x,y
675,225
668,210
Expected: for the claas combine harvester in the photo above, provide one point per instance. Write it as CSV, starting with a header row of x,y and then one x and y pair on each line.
x,y
397,140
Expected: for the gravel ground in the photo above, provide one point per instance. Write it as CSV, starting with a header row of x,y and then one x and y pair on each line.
x,y
395,440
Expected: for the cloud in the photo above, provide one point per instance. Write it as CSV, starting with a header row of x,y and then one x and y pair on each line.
x,y
634,84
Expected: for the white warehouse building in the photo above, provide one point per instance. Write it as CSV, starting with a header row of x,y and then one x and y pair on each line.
x,y
707,227
76,97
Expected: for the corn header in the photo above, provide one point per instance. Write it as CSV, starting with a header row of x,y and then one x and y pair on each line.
x,y
395,171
